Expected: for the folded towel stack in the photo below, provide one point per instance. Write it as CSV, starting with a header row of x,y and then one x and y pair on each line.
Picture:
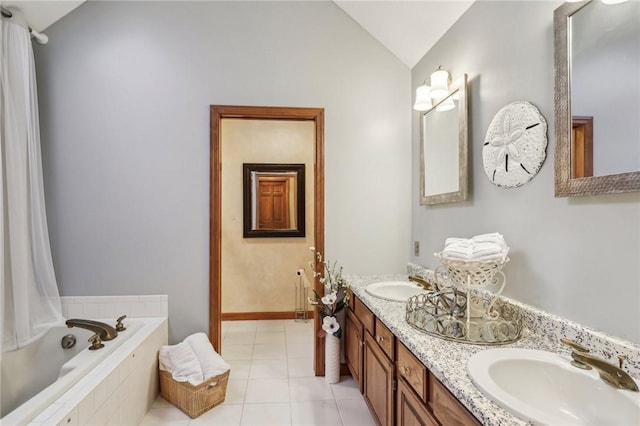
x,y
194,360
485,247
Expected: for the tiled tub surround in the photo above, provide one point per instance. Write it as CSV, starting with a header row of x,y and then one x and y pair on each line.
x,y
109,394
118,391
447,360
147,306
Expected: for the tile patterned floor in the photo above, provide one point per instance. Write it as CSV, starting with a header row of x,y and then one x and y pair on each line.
x,y
272,383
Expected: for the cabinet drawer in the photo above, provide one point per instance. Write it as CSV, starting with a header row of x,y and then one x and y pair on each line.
x,y
365,316
447,409
412,370
385,339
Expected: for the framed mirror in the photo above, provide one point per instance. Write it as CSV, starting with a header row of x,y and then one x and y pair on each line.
x,y
597,98
273,200
443,148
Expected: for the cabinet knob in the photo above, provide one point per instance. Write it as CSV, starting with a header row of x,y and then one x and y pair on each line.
x,y
379,339
404,370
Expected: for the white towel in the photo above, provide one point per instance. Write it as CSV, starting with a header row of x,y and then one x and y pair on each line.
x,y
180,360
485,247
211,363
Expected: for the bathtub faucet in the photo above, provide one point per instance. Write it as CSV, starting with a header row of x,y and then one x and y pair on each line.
x,y
105,331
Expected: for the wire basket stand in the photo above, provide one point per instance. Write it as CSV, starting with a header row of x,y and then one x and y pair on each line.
x,y
462,308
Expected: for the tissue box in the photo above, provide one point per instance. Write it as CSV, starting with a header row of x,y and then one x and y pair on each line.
x,y
194,400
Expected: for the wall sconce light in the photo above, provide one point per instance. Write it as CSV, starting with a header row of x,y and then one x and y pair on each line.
x,y
439,83
423,100
437,89
446,105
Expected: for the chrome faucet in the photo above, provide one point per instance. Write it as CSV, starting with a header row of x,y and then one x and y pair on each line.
x,y
611,374
105,331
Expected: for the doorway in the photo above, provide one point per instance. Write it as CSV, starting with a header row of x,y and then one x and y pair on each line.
x,y
218,114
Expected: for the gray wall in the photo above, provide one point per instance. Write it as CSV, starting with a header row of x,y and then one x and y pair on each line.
x,y
125,89
575,257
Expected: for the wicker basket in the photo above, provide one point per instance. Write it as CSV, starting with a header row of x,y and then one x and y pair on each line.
x,y
194,400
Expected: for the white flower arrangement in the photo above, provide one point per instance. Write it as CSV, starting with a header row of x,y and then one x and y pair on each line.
x,y
336,295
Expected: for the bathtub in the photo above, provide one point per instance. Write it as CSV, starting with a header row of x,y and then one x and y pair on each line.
x,y
42,382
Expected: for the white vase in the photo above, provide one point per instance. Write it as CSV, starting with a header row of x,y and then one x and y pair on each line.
x,y
331,359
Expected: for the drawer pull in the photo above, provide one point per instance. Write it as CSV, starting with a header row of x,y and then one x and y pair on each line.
x,y
379,339
405,370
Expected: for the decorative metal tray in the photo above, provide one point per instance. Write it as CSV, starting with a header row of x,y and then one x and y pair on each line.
x,y
443,313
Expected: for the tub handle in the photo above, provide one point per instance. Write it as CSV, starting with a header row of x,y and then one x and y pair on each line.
x,y
96,342
119,325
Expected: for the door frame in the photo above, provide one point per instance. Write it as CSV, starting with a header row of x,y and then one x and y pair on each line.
x,y
217,113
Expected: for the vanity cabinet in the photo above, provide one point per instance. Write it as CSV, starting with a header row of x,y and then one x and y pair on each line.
x,y
354,347
397,387
379,381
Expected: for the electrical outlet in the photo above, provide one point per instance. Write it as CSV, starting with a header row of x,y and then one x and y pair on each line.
x,y
416,248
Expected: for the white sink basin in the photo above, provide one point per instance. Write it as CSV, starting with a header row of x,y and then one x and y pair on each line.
x,y
397,291
544,388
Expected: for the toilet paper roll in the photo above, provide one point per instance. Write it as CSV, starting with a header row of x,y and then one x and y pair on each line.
x,y
303,276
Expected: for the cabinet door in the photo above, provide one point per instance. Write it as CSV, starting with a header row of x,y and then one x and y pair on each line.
x,y
378,382
411,411
446,408
354,347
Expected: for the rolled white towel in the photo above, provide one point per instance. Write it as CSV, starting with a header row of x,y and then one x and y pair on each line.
x,y
180,360
211,363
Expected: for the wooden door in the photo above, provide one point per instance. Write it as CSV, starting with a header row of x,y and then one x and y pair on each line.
x,y
378,382
354,347
411,411
582,147
273,203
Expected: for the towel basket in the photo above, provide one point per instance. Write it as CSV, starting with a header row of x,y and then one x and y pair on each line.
x,y
194,400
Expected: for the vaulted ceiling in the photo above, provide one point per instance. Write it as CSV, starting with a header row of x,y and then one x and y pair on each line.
x,y
407,28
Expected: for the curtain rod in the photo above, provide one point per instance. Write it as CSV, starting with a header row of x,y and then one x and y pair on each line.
x,y
40,38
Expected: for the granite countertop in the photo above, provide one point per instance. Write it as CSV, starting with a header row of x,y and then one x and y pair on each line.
x,y
447,360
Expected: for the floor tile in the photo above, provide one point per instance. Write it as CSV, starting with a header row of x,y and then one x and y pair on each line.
x,y
239,337
161,402
269,351
300,367
299,350
347,388
268,369
309,389
243,325
231,352
270,336
222,415
267,390
236,390
315,413
299,336
270,325
239,368
169,416
266,415
354,412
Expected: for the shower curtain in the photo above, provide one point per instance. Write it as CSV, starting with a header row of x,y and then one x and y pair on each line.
x,y
29,299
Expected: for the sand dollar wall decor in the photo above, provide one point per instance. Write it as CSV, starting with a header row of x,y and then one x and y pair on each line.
x,y
515,145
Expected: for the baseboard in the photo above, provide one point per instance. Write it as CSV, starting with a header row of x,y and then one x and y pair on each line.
x,y
241,316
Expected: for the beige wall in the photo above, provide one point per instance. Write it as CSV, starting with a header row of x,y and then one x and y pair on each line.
x,y
258,274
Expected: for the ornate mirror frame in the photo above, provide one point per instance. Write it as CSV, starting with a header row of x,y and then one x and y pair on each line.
x,y
458,87
565,185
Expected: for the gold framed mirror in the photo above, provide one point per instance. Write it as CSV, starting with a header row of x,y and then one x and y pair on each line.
x,y
443,148
597,98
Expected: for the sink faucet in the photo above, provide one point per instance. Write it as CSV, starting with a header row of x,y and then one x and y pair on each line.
x,y
421,281
611,374
105,331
